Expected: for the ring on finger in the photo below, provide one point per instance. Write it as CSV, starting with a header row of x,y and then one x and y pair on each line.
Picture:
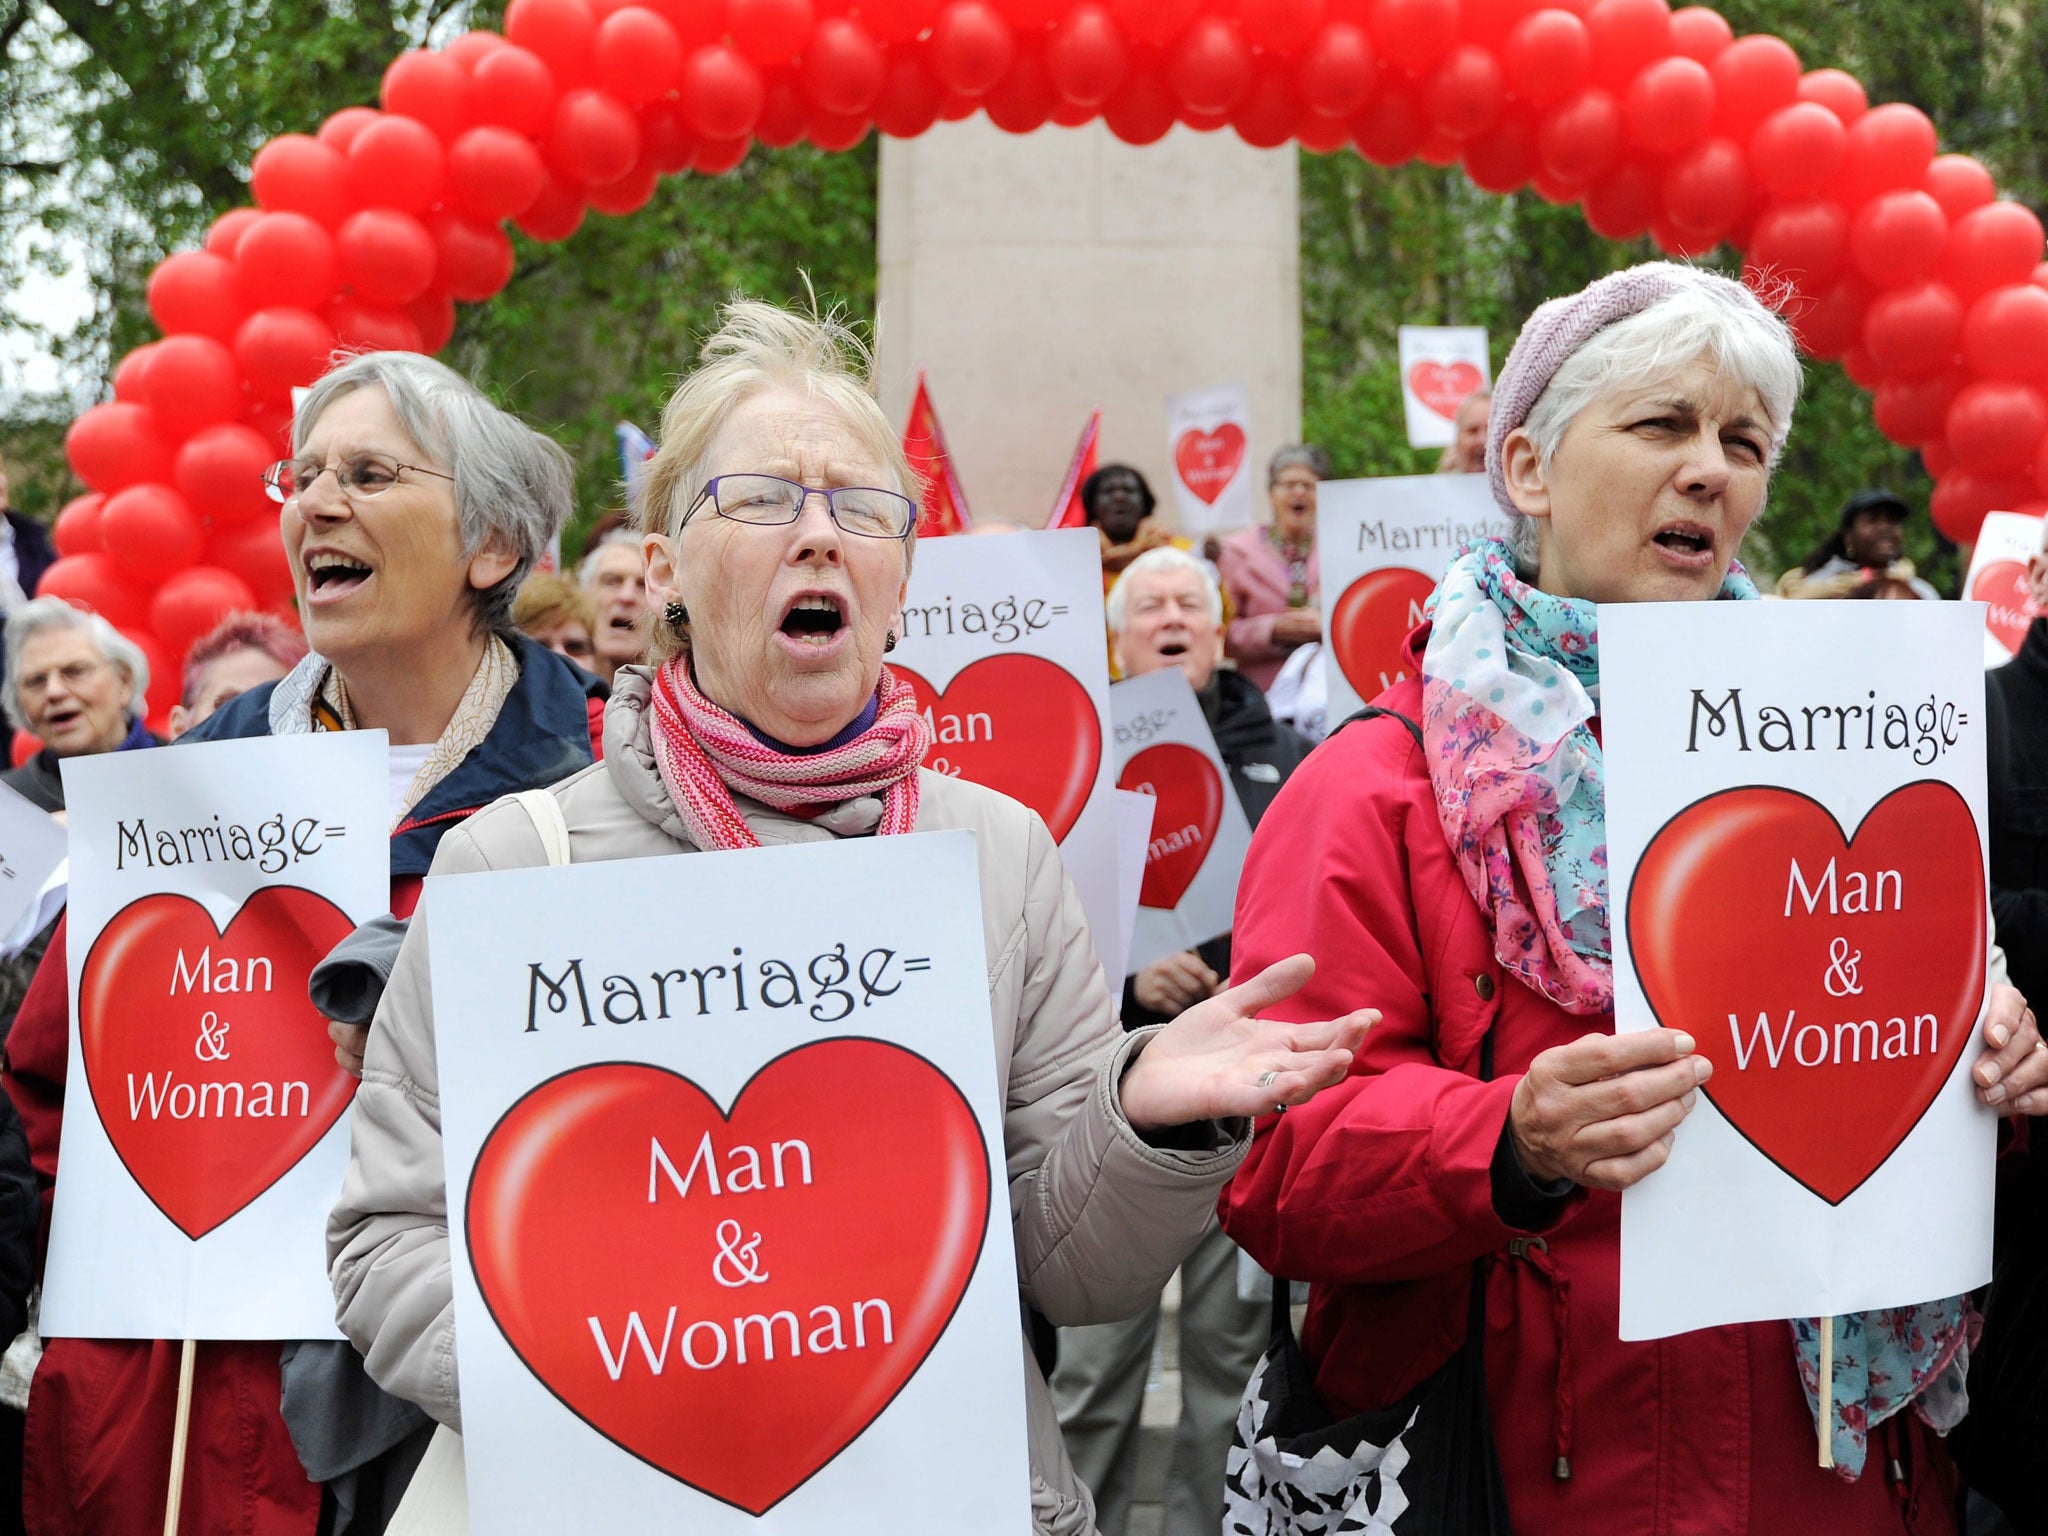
x,y
1268,1079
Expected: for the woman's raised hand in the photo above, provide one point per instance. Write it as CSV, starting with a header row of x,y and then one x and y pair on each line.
x,y
1601,1111
1219,1060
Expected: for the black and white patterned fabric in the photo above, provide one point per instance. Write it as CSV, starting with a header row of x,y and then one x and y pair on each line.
x,y
1269,1490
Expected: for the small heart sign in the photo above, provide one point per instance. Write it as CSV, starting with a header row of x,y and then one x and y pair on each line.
x,y
733,1297
1190,794
1861,966
2003,585
1370,622
211,1071
1443,386
1019,724
1208,461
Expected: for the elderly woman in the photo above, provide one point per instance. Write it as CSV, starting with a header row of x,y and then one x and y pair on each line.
x,y
411,509
560,615
779,544
1270,573
1465,453
1634,430
76,684
242,651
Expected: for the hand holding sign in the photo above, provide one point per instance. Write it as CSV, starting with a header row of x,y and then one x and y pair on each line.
x,y
1601,1111
2014,1066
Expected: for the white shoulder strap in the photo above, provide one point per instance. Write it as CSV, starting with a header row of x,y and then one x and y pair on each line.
x,y
546,812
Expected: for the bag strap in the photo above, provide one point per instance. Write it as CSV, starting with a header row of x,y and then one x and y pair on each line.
x,y
1374,712
545,812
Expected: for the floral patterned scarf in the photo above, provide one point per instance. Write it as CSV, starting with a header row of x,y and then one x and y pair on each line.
x,y
1510,688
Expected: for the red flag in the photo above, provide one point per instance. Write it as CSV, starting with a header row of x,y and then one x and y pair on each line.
x,y
1067,511
944,508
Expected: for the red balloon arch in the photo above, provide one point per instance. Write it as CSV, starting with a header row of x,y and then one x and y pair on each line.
x,y
1900,262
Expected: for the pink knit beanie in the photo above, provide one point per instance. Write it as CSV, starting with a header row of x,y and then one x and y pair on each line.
x,y
1559,327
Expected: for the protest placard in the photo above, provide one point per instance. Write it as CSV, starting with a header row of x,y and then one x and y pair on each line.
x,y
726,1194
1998,579
1133,836
1384,545
1003,641
1440,366
1199,833
1795,837
32,845
1208,433
204,1129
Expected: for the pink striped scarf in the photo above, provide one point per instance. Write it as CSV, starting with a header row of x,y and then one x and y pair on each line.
x,y
706,755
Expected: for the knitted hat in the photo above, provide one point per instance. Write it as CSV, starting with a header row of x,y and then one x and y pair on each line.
x,y
1558,328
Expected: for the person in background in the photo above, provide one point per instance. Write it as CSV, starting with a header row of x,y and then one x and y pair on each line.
x,y
1167,611
560,615
1870,543
76,684
1270,574
1887,589
242,651
1465,453
1120,505
25,551
2016,773
614,573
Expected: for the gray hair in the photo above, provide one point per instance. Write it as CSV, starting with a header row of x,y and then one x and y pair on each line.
x,y
1166,560
618,538
1306,455
45,613
511,482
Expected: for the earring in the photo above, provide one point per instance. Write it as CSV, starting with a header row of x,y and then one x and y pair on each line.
x,y
677,615
889,641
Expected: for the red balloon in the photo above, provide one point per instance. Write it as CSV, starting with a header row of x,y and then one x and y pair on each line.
x,y
1031,15
717,156
1336,73
195,292
1833,323
92,582
1211,68
77,528
219,472
433,316
254,552
286,258
835,134
1086,57
129,371
971,47
370,329
1268,113
1413,34
1913,332
1439,149
1802,243
472,48
1628,36
843,67
1990,247
629,194
1961,500
387,257
555,214
397,163
911,96
1502,160
898,21
2005,333
1936,458
1282,28
1754,79
669,142
1465,95
1914,412
1142,110
282,349
273,423
1669,105
166,685
430,88
1321,135
1841,93
769,32
493,173
1706,191
637,56
473,258
1581,140
191,603
1995,425
595,137
1023,98
1153,21
1796,151
784,115
1621,204
722,93
557,32
296,173
1700,33
115,445
22,747
515,90
1897,237
192,382
226,231
341,130
1548,57
149,532
1959,184
1890,148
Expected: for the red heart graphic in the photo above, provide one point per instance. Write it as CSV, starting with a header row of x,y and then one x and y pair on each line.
x,y
1369,623
1190,793
576,1228
1443,386
1019,724
161,992
1830,1030
1208,461
2003,584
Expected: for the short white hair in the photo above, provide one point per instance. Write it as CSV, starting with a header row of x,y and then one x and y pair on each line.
x,y
618,538
1166,560
46,613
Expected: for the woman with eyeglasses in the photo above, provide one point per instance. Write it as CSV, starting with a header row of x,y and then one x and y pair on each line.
x,y
411,510
779,540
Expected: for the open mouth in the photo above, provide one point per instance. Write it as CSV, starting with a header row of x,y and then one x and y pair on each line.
x,y
330,574
1174,648
814,619
59,720
1687,541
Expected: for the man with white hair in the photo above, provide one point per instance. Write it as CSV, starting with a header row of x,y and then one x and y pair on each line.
x,y
75,683
614,573
1167,611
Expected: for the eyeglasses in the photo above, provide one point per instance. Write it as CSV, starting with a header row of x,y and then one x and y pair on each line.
x,y
74,673
768,501
360,476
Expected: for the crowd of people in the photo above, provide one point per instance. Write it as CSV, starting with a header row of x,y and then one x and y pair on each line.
x,y
1418,974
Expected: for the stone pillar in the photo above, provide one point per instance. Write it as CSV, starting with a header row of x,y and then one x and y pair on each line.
x,y
1037,276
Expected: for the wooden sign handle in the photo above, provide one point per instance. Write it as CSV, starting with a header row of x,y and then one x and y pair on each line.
x,y
1827,1392
179,1432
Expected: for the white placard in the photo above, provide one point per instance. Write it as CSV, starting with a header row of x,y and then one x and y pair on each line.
x,y
1440,366
205,1125
1199,834
1795,834
1998,579
1384,545
730,1095
31,847
1209,439
1004,641
1133,835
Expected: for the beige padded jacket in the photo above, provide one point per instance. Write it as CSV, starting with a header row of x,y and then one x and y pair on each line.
x,y
1100,1217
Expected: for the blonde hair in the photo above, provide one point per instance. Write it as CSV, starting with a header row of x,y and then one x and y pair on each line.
x,y
546,600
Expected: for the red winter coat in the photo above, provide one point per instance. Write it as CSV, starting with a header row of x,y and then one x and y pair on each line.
x,y
1379,1192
